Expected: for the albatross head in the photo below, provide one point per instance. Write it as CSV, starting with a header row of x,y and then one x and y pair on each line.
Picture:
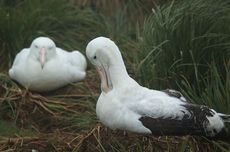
x,y
106,57
43,48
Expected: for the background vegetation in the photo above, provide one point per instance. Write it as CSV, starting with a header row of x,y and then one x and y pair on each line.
x,y
165,44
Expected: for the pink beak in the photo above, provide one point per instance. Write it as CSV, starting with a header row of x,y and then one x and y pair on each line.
x,y
104,79
42,56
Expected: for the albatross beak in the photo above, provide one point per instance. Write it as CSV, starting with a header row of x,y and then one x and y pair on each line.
x,y
42,56
104,79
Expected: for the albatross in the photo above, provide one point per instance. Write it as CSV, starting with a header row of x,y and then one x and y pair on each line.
x,y
45,67
125,105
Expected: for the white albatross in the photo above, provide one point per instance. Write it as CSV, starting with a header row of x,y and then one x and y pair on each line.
x,y
45,67
125,105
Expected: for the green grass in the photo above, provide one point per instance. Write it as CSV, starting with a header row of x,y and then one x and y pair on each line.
x,y
217,89
186,46
10,129
70,27
185,37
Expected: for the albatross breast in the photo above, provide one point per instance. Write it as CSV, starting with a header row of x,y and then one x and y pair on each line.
x,y
44,67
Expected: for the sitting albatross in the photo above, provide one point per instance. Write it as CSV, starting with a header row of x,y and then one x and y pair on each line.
x,y
124,104
45,67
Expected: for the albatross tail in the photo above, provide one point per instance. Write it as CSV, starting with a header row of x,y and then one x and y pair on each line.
x,y
224,117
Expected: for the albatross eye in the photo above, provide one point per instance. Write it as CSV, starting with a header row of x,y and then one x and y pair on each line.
x,y
36,46
95,57
50,47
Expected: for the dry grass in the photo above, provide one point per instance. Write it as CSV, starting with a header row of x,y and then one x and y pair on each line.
x,y
100,138
60,121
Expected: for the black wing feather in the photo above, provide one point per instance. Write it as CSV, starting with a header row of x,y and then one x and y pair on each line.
x,y
175,94
193,124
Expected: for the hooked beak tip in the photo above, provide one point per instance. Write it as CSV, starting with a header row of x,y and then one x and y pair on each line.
x,y
42,65
104,79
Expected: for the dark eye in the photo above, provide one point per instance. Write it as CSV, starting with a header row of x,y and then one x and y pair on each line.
x,y
36,46
95,57
50,47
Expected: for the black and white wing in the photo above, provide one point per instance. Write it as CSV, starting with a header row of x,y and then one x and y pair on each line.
x,y
166,114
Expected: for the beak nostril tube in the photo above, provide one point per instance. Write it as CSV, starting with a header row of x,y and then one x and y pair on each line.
x,y
42,56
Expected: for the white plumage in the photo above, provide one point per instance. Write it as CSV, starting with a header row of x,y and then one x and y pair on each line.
x,y
45,67
124,104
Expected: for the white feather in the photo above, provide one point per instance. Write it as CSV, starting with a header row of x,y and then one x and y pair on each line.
x,y
61,69
123,101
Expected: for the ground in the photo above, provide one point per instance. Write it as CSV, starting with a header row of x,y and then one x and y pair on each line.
x,y
65,120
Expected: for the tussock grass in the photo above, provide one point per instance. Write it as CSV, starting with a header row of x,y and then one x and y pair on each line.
x,y
184,37
67,25
217,91
186,46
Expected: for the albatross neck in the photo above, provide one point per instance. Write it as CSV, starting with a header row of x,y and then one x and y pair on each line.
x,y
119,75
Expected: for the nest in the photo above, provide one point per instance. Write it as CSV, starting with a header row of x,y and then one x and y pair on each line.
x,y
65,120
